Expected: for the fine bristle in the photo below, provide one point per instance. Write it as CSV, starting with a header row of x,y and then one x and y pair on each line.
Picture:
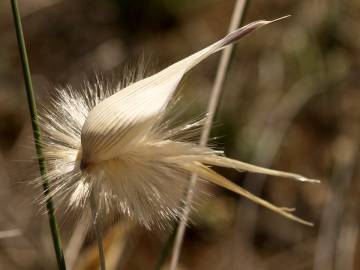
x,y
119,145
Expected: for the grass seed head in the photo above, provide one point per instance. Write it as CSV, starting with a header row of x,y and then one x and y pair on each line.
x,y
118,145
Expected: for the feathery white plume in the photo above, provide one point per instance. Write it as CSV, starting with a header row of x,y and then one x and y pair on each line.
x,y
119,146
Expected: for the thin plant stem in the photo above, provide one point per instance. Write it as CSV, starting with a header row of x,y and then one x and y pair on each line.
x,y
76,241
166,249
98,232
236,20
37,136
333,213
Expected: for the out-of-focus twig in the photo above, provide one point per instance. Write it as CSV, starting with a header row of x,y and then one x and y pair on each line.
x,y
345,161
116,244
347,240
10,233
98,231
76,241
211,110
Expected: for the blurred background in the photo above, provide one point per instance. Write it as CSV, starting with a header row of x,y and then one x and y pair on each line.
x,y
290,102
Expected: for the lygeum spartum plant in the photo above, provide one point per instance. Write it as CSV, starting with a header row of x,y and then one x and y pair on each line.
x,y
120,147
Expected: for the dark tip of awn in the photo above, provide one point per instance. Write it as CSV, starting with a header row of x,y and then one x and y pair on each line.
x,y
243,31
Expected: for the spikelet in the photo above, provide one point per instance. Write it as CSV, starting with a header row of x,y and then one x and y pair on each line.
x,y
119,146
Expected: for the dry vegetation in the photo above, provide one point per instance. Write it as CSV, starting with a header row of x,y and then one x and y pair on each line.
x,y
291,102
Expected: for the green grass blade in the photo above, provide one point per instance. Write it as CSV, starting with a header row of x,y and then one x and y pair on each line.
x,y
37,136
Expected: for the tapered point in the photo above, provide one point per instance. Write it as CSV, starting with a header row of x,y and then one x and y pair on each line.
x,y
304,179
281,18
276,20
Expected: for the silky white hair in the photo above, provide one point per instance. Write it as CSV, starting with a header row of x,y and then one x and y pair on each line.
x,y
121,146
140,183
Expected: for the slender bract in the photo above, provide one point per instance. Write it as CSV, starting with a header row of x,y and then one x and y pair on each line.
x,y
37,136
